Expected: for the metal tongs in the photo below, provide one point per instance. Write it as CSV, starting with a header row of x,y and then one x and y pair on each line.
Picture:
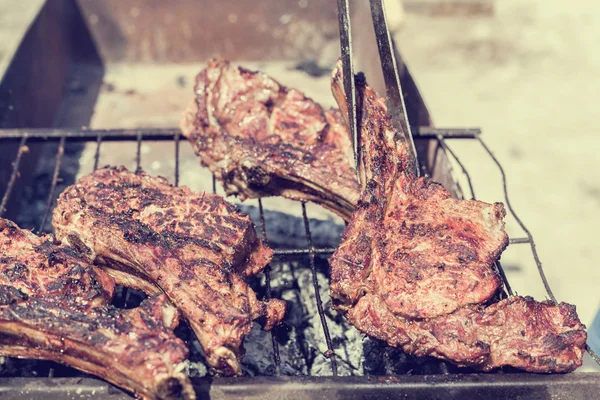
x,y
396,107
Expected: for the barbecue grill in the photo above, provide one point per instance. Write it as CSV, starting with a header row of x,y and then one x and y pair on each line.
x,y
44,146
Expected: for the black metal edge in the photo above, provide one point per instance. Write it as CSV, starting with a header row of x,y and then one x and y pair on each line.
x,y
478,386
405,381
465,386
91,135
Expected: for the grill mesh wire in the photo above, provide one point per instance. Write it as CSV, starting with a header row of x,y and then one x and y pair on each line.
x,y
310,251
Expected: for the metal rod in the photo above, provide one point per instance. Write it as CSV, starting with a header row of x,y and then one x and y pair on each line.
x,y
177,159
311,257
497,264
448,150
529,236
138,153
396,106
427,132
138,168
57,164
127,293
593,354
387,362
503,276
424,170
90,134
214,184
518,241
13,175
160,134
97,154
263,226
349,82
293,252
267,272
444,367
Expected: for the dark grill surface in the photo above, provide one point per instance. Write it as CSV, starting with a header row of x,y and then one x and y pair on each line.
x,y
314,340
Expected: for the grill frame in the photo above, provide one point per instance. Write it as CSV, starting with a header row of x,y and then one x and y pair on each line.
x,y
502,385
473,386
24,136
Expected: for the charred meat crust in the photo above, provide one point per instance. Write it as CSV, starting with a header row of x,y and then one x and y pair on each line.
x,y
54,305
260,138
414,266
434,253
519,332
196,247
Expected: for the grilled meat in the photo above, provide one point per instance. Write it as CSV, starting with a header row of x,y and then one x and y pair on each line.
x,y
415,263
434,253
196,247
262,139
55,306
517,332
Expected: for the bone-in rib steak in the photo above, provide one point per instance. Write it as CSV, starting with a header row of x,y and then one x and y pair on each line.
x,y
55,306
262,139
415,265
196,247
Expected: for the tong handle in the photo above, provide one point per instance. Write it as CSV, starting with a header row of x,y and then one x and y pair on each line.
x,y
395,98
396,106
349,82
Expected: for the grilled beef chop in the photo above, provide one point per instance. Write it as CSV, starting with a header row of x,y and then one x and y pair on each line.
x,y
196,247
55,306
261,139
414,265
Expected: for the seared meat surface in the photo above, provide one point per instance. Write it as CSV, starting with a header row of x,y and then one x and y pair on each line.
x,y
55,306
195,247
427,253
262,139
517,332
414,265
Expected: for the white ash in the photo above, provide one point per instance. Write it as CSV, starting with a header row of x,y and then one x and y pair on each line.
x,y
347,342
195,369
292,282
194,365
259,358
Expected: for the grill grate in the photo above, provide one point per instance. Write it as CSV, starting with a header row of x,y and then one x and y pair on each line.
x,y
13,174
311,256
59,155
138,135
267,272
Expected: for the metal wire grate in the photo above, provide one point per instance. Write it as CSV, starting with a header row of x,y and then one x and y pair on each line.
x,y
138,135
